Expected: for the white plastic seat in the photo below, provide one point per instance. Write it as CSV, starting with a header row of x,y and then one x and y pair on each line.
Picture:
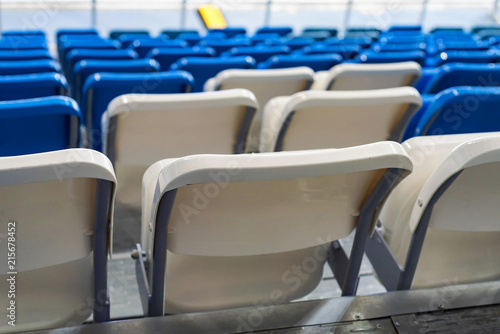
x,y
60,203
256,228
456,183
367,76
320,119
143,129
265,84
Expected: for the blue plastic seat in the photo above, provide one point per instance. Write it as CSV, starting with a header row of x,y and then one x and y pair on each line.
x,y
259,53
398,47
96,44
471,57
372,33
24,33
38,125
174,33
263,38
116,34
62,32
298,43
447,30
85,68
142,47
27,86
371,57
402,39
321,62
282,31
222,45
76,55
460,74
127,39
231,32
415,29
24,55
346,51
203,69
191,38
28,66
166,57
363,42
331,31
101,88
462,109
315,35
16,42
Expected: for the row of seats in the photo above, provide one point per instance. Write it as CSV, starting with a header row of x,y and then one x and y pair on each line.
x,y
101,88
435,197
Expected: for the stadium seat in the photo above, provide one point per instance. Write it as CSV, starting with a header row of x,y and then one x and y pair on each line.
x,y
8,67
321,62
459,74
282,31
27,86
231,32
167,56
460,110
23,43
259,53
191,38
101,88
331,31
75,32
439,227
263,38
76,55
474,57
142,129
298,43
85,68
203,69
363,42
24,55
59,280
39,33
222,45
174,33
367,76
371,57
346,51
127,39
95,44
216,256
335,119
398,47
142,47
38,125
265,85
116,34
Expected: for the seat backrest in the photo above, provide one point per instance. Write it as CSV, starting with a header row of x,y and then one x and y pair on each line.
x,y
85,68
25,55
455,176
143,46
116,34
38,125
167,56
372,57
231,32
335,119
76,55
203,69
101,88
457,74
90,43
57,207
174,33
222,45
347,51
461,110
27,86
259,205
282,31
363,42
370,76
259,53
75,32
143,129
471,57
319,62
28,66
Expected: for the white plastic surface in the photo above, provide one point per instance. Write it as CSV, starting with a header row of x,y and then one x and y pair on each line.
x,y
51,198
265,84
337,119
244,220
367,76
463,234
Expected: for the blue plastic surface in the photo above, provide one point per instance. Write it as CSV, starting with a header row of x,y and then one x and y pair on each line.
x,y
231,32
259,53
322,62
143,46
24,55
282,31
38,125
371,57
28,66
26,86
222,45
167,56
